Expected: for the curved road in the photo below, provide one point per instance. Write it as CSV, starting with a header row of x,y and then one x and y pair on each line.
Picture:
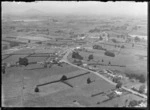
x,y
64,59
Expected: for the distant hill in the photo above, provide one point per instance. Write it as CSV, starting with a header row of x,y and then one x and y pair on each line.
x,y
33,12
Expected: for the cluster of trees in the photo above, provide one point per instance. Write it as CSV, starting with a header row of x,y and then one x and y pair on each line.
x,y
108,53
142,89
76,55
134,103
23,61
137,39
98,47
139,77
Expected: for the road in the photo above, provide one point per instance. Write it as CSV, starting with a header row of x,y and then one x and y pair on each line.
x,y
65,59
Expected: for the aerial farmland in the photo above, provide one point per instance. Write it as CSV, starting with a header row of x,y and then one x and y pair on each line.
x,y
73,60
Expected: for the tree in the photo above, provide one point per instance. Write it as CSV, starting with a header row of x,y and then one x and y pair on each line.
x,y
89,81
74,55
36,89
119,85
102,60
63,78
142,89
90,57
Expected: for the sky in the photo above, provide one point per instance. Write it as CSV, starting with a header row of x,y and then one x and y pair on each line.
x,y
82,7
